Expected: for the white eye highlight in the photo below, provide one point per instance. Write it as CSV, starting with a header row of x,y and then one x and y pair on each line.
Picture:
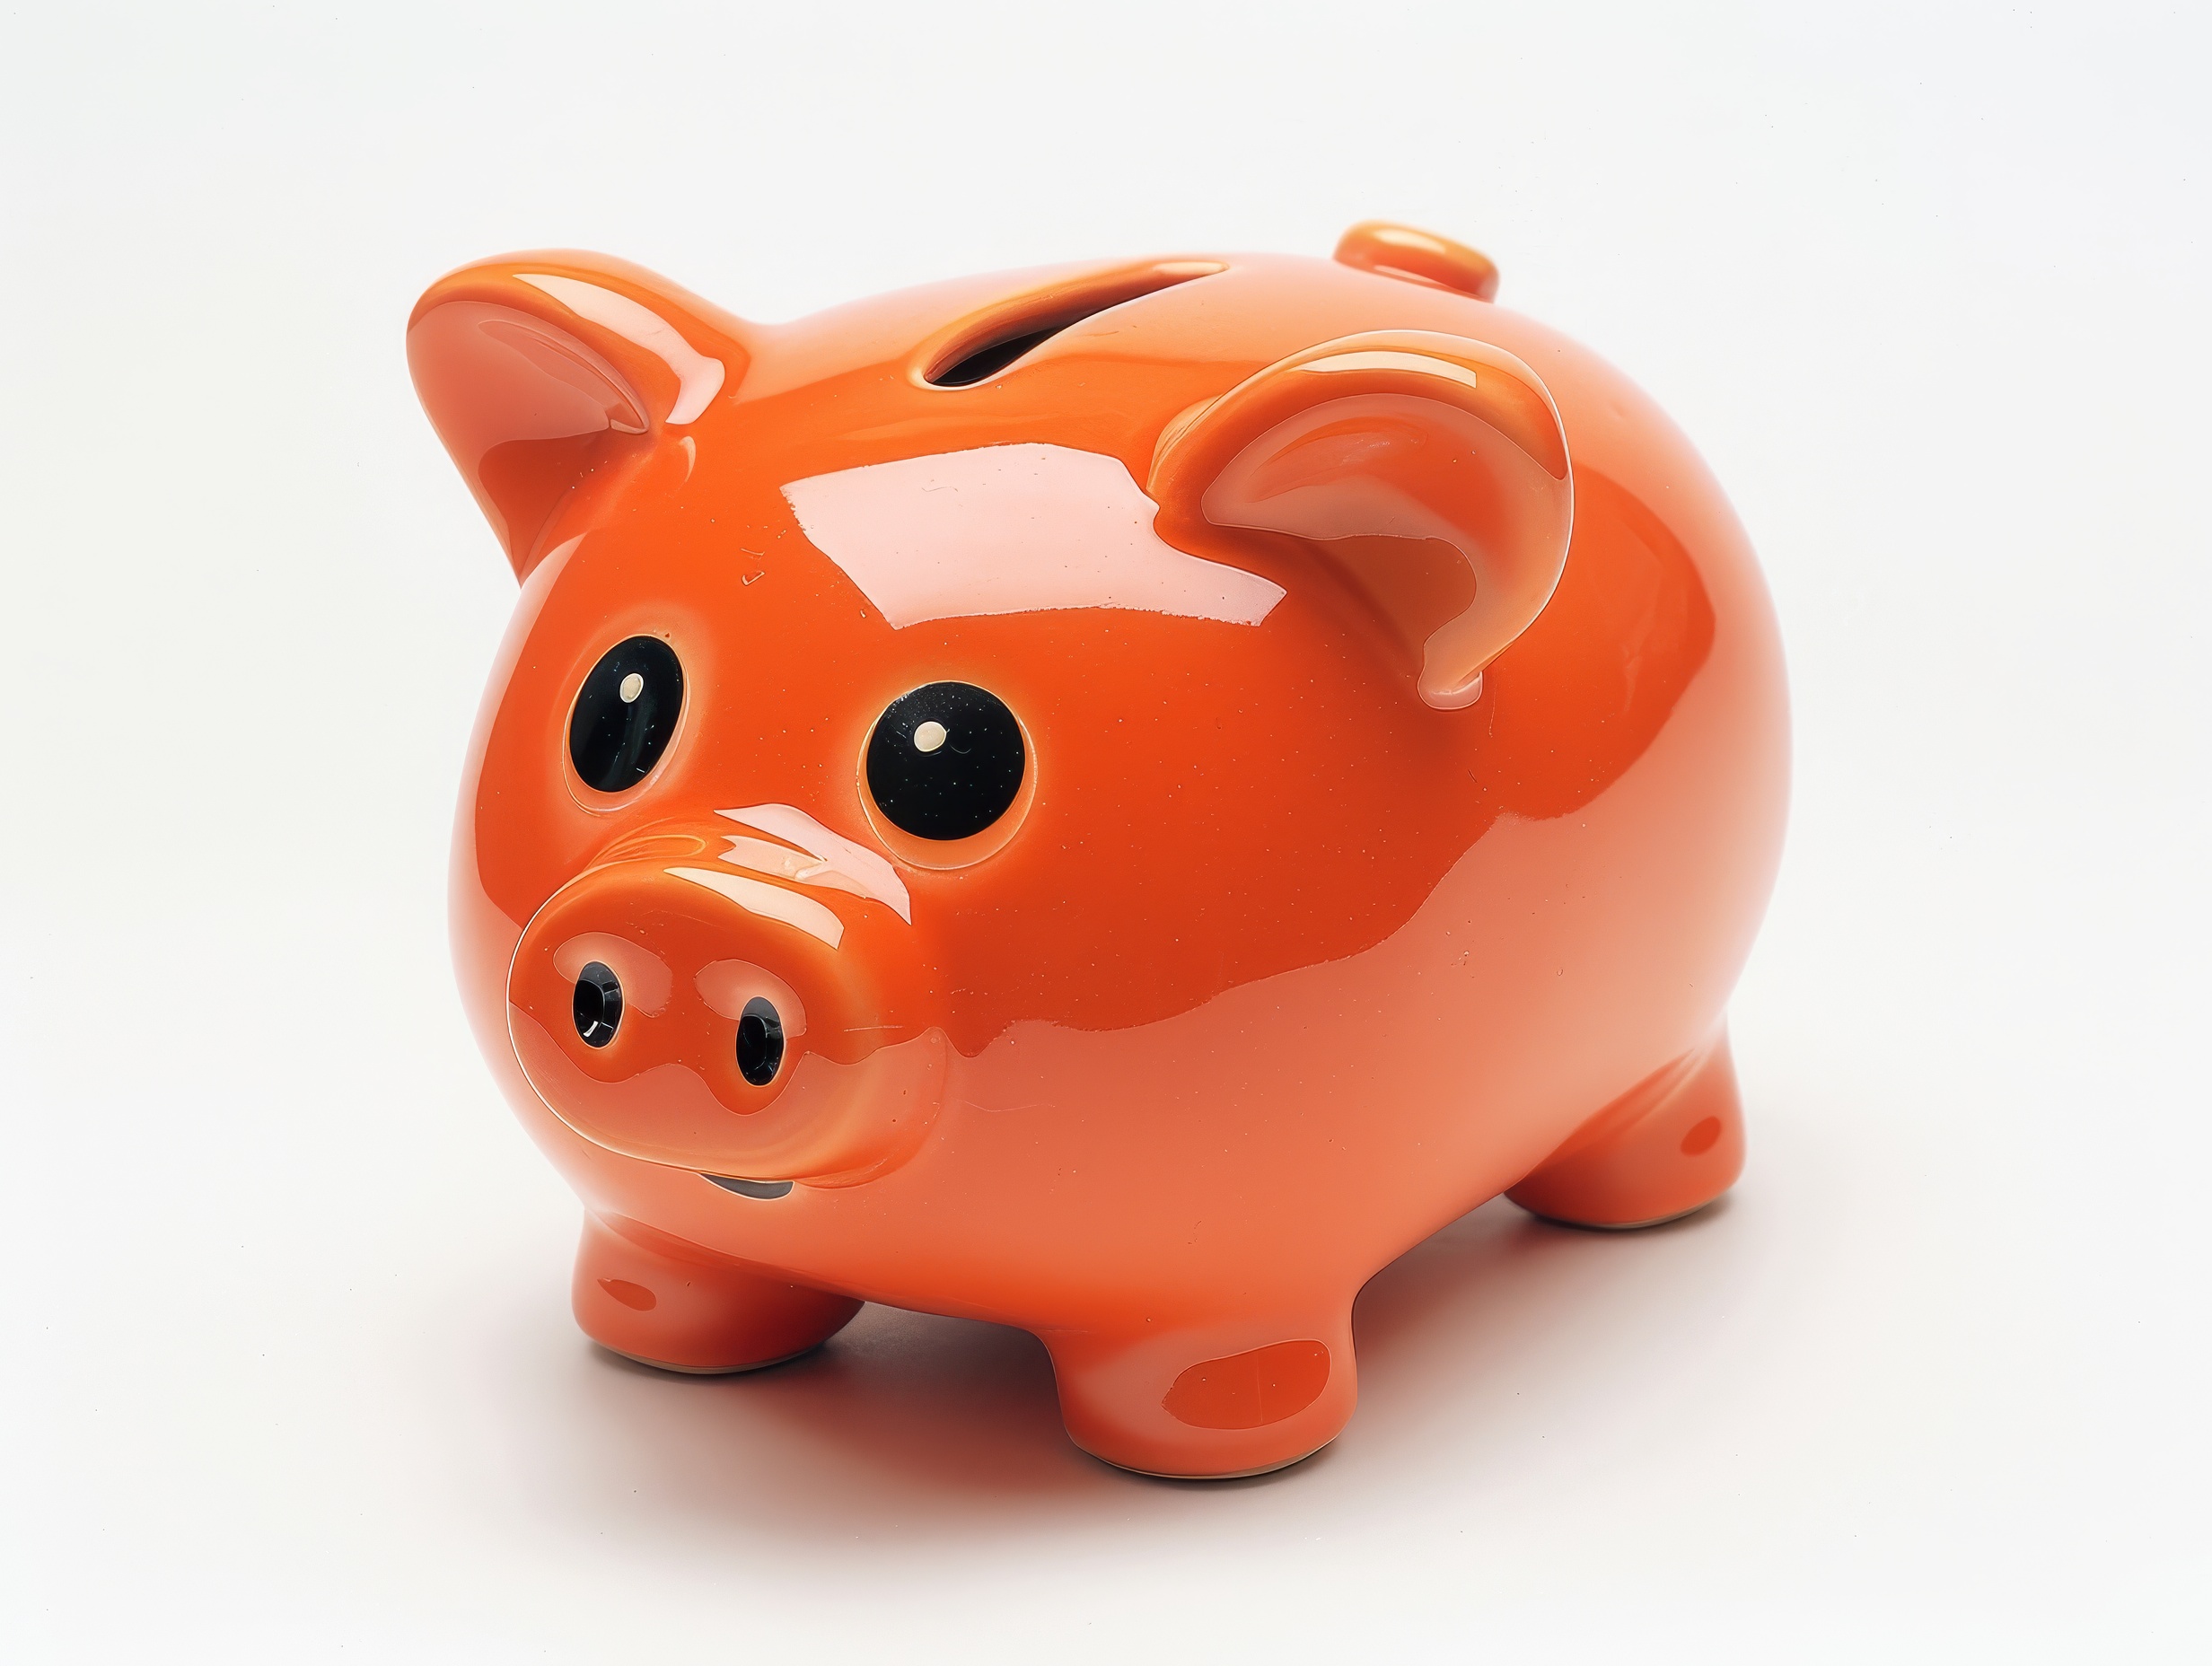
x,y
929,737
632,687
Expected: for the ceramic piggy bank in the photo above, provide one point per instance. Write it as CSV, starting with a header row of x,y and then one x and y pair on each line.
x,y
1113,800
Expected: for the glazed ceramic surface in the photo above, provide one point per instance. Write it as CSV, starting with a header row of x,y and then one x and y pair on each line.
x,y
1113,800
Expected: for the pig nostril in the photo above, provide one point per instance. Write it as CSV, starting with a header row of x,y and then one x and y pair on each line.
x,y
598,1007
759,1042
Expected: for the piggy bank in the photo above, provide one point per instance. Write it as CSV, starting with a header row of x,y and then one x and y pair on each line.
x,y
1113,799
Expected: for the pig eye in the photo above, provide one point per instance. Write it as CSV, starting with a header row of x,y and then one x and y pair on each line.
x,y
625,713
945,761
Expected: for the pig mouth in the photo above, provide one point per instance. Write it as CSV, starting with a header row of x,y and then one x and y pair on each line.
x,y
763,1189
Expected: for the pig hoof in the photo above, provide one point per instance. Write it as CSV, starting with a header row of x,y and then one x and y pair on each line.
x,y
661,1305
1186,1407
1664,1149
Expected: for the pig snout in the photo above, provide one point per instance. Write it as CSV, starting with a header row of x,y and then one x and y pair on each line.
x,y
729,1005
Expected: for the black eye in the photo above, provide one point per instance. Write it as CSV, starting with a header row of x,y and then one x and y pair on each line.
x,y
625,713
945,760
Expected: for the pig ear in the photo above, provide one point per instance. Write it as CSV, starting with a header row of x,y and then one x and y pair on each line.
x,y
540,369
1430,470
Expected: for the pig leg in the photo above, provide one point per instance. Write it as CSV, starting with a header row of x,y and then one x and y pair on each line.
x,y
1211,1400
654,1300
1669,1145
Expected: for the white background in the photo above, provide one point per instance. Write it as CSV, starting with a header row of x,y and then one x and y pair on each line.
x,y
288,1371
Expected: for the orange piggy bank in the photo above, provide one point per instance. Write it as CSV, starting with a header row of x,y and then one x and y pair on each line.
x,y
1113,800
